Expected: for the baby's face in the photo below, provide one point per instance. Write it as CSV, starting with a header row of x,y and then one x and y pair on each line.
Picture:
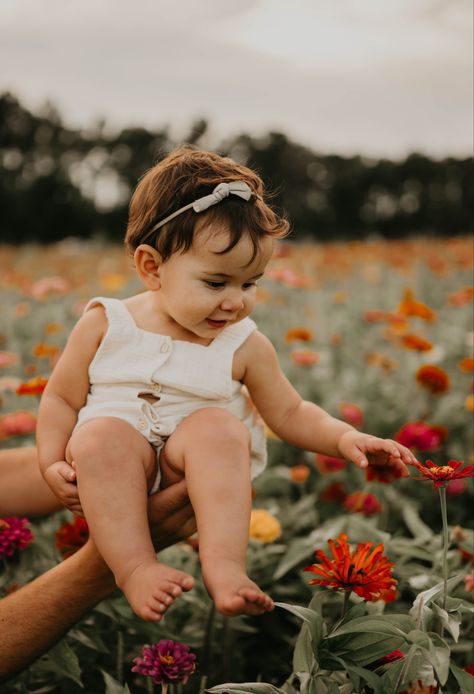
x,y
205,292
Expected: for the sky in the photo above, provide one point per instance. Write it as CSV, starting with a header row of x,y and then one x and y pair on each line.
x,y
369,77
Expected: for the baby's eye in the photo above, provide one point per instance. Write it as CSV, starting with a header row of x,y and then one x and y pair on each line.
x,y
249,285
214,285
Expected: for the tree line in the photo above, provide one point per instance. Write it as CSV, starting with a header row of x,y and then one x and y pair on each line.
x,y
56,181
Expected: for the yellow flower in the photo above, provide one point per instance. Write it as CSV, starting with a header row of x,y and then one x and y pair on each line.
x,y
263,526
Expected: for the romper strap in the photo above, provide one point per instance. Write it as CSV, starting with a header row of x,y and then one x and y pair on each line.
x,y
118,317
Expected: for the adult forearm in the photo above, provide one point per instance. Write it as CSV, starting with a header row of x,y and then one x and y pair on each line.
x,y
36,616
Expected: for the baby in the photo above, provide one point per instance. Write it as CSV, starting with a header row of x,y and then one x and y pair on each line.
x,y
155,388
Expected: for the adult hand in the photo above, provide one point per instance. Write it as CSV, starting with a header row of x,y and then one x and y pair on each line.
x,y
171,515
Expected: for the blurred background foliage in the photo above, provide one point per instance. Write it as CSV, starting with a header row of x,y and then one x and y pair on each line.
x,y
57,182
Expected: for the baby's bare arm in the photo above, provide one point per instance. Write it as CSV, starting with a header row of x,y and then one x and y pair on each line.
x,y
67,389
303,423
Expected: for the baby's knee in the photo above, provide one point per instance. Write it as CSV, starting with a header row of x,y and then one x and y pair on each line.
x,y
220,425
94,439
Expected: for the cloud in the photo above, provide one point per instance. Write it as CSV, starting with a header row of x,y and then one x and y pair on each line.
x,y
155,63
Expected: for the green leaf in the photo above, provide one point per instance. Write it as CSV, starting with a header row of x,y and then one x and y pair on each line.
x,y
366,676
427,596
414,666
439,653
449,621
112,686
368,623
62,660
464,679
304,548
355,611
312,618
402,621
415,525
91,640
303,658
298,551
247,688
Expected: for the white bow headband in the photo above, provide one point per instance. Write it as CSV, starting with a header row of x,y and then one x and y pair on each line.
x,y
221,191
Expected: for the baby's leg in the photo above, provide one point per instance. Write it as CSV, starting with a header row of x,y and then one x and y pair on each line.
x,y
115,466
211,448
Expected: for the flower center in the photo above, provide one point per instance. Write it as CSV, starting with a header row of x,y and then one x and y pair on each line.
x,y
168,659
441,471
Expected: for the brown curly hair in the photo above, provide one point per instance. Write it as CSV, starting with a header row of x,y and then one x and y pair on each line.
x,y
182,177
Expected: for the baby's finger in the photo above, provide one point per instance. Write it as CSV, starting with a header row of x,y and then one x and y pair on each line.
x,y
65,471
390,447
356,455
399,464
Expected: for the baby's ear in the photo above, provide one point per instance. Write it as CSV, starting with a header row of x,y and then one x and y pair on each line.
x,y
147,262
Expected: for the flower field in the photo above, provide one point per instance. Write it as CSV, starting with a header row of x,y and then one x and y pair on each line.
x,y
373,575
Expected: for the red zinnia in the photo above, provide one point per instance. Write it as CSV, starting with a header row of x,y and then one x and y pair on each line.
x,y
71,536
334,492
326,463
440,475
389,658
34,386
433,379
384,473
421,436
365,570
362,502
14,535
351,413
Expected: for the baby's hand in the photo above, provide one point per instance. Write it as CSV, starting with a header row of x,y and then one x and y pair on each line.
x,y
363,450
61,478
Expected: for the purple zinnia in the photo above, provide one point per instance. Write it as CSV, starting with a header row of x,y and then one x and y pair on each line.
x,y
166,661
14,535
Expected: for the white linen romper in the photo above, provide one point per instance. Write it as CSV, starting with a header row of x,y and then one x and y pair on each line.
x,y
132,364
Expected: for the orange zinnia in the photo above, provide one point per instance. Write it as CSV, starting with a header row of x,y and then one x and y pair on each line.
x,y
34,386
433,378
42,350
467,364
365,570
461,297
305,357
302,334
417,343
299,473
409,306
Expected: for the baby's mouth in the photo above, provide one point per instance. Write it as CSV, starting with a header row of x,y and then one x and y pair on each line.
x,y
216,323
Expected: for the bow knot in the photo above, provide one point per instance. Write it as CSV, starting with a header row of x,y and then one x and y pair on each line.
x,y
221,191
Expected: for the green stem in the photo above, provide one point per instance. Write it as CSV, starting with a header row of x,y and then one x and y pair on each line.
x,y
444,516
120,657
208,635
345,604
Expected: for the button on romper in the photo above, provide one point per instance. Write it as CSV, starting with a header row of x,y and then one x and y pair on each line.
x,y
153,382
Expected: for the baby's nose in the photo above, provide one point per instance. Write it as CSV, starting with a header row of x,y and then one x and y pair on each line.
x,y
232,302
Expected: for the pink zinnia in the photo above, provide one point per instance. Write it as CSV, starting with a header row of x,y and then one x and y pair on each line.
x,y
14,535
166,662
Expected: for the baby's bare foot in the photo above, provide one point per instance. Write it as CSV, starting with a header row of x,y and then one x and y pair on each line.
x,y
151,588
232,590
